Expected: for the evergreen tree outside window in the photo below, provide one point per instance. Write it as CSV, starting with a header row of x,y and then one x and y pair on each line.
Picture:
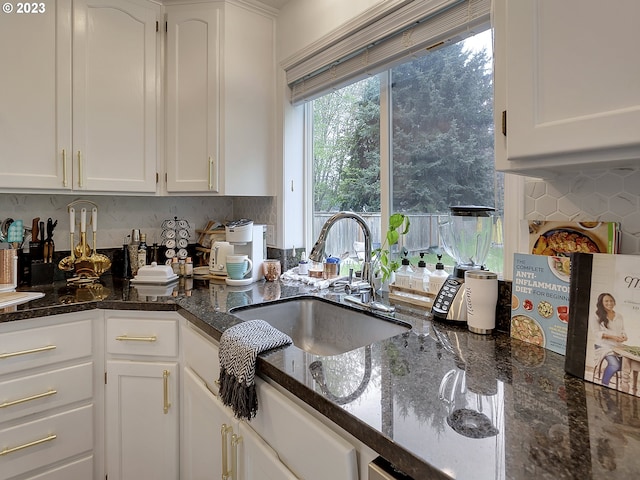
x,y
441,124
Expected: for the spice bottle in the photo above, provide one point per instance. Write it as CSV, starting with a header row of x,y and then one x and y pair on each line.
x,y
142,251
303,265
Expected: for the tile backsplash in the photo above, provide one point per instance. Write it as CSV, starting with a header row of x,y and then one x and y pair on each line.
x,y
606,195
118,215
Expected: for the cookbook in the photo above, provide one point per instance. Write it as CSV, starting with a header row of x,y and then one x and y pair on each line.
x,y
603,341
540,300
548,237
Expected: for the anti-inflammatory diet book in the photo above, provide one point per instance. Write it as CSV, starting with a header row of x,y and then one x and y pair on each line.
x,y
603,343
540,300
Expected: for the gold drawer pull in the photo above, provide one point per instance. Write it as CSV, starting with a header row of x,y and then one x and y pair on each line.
x,y
225,430
235,440
165,381
127,338
28,399
27,352
7,451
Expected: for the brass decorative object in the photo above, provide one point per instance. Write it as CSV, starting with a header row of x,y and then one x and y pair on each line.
x,y
84,260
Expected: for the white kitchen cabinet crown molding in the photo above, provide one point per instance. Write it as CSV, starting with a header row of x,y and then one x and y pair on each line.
x,y
252,5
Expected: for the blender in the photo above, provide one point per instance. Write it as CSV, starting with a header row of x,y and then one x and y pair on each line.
x,y
466,237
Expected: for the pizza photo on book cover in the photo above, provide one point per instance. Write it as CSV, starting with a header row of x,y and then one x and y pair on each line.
x,y
549,237
603,340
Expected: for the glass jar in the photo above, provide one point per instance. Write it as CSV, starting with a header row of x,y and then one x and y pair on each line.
x,y
271,269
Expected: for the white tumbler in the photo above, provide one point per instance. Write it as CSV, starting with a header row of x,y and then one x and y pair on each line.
x,y
481,297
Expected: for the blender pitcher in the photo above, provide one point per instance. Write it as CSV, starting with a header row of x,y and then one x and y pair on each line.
x,y
466,237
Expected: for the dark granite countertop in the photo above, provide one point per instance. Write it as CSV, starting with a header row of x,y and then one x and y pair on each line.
x,y
437,401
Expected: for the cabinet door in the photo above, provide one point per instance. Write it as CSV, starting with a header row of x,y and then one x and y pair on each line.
x,y
202,420
35,95
254,459
142,420
248,114
114,95
570,76
193,71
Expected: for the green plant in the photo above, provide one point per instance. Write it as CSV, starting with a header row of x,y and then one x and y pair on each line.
x,y
398,225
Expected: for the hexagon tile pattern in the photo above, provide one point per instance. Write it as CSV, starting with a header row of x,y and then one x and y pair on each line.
x,y
606,195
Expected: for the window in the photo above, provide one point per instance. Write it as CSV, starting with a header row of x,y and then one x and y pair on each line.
x,y
415,139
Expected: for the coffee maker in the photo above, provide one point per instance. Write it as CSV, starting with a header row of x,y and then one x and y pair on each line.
x,y
248,239
466,237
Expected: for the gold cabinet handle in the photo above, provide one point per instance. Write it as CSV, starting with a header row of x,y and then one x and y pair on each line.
x,y
235,440
165,383
225,430
127,338
8,450
27,352
210,173
79,170
65,181
28,399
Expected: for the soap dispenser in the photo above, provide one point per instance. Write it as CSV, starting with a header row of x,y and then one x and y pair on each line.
x,y
404,273
420,278
438,277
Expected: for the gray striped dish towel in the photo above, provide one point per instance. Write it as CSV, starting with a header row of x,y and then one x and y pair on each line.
x,y
240,345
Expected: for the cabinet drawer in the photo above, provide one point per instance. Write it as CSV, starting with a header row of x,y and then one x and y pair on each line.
x,y
47,440
201,355
142,336
79,470
34,347
36,393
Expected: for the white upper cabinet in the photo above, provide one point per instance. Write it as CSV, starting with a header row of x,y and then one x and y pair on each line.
x,y
114,95
35,97
78,95
567,74
192,104
220,97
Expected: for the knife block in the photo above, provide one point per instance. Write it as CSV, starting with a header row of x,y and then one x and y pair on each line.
x,y
41,273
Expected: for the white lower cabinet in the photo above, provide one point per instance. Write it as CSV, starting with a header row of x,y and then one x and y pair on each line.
x,y
281,442
51,397
46,440
254,459
216,445
142,399
142,420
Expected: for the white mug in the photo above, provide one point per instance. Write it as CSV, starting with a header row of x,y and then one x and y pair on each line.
x,y
238,266
481,297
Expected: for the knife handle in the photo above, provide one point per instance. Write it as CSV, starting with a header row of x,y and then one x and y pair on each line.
x,y
34,229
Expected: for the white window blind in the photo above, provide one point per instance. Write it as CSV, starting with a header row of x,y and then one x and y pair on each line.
x,y
400,36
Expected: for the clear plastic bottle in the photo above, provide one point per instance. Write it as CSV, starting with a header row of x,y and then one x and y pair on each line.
x,y
438,277
420,277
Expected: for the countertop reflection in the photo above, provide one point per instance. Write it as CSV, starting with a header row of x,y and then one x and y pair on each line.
x,y
437,401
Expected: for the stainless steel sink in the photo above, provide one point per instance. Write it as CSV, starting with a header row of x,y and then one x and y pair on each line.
x,y
323,327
